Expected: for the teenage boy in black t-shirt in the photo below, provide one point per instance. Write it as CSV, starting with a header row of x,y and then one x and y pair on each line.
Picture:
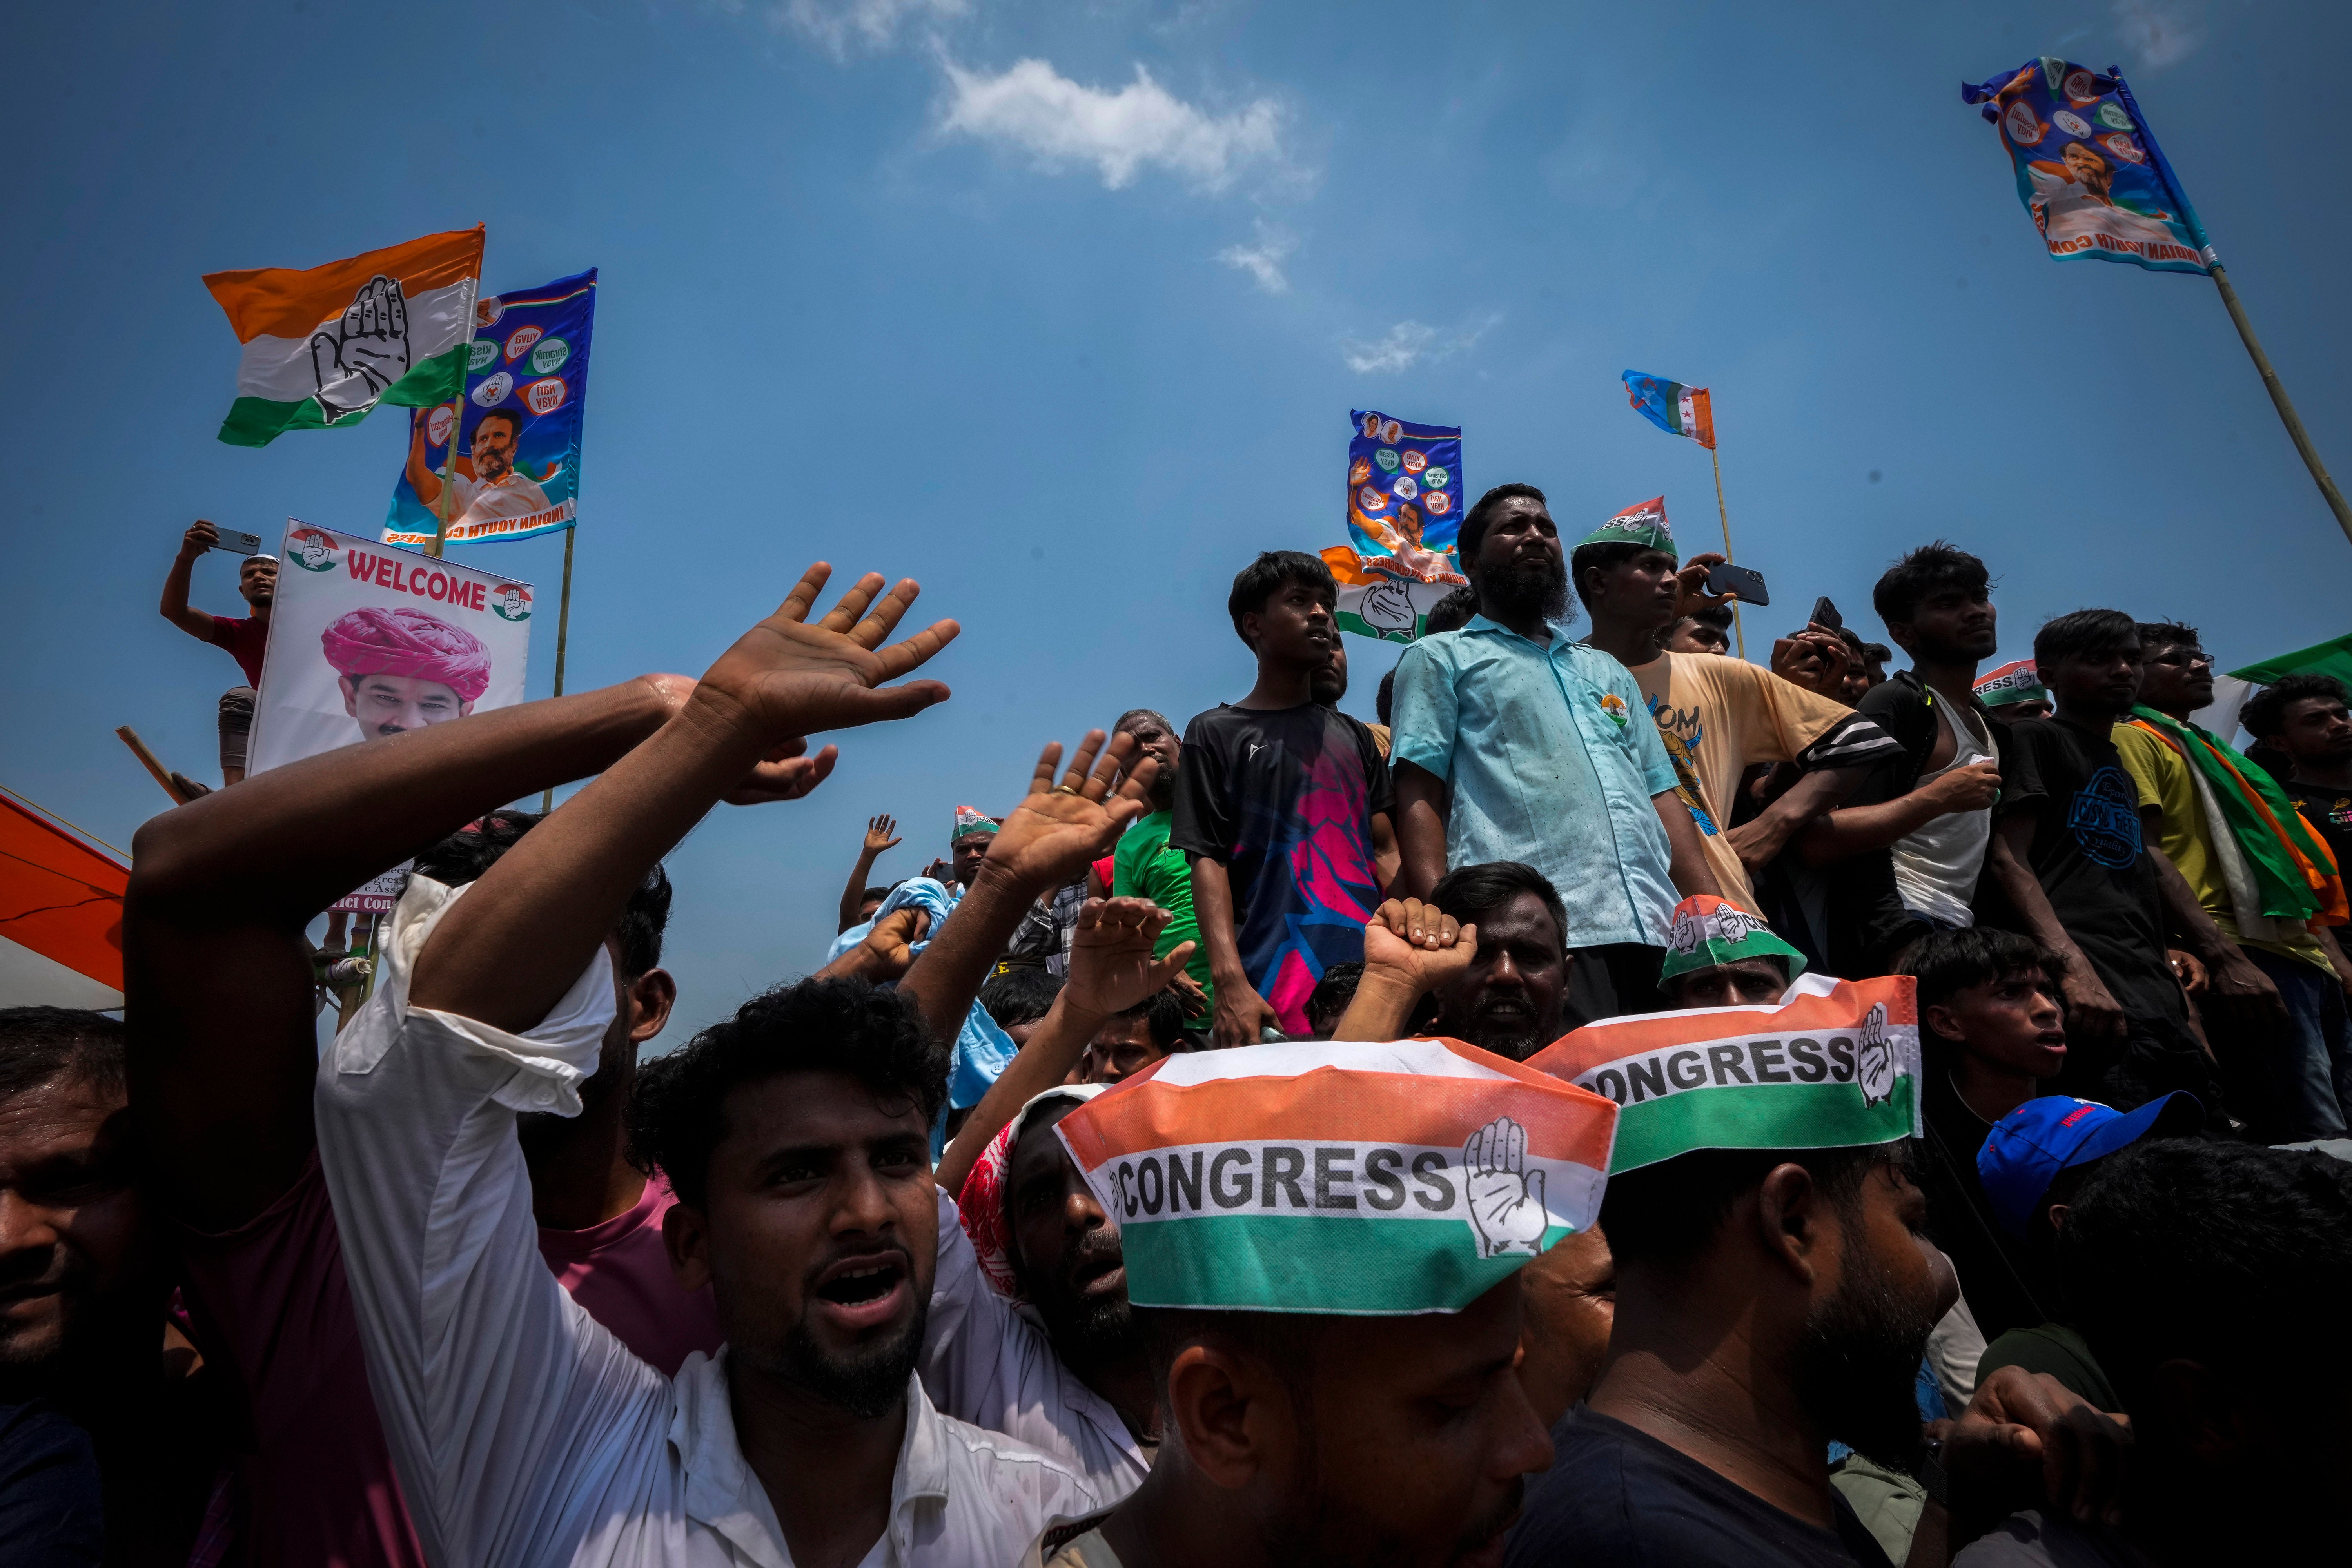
x,y
1279,801
2067,856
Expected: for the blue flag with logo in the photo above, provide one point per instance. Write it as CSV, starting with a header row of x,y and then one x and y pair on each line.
x,y
513,439
1404,495
2088,168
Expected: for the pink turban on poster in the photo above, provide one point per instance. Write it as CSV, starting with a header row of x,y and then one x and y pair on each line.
x,y
405,642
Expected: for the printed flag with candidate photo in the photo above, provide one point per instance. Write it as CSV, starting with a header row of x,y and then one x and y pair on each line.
x,y
1338,1177
367,642
1676,409
1404,495
1834,1065
517,424
326,344
2088,168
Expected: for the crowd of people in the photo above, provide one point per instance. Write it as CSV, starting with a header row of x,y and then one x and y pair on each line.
x,y
1204,1158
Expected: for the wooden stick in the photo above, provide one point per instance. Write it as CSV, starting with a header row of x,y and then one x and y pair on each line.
x,y
2285,405
1738,630
162,775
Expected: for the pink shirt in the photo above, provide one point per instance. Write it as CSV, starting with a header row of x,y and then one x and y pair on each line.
x,y
270,1300
620,1271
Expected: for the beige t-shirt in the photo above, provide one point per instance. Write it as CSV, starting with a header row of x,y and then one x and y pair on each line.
x,y
1719,716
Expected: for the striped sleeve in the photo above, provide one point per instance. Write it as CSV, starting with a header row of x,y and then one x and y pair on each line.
x,y
1849,743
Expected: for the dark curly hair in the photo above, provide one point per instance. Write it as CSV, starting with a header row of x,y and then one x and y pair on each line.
x,y
2265,717
679,1114
466,854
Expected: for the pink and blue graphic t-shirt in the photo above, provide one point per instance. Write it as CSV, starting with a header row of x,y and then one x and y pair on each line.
x,y
1286,797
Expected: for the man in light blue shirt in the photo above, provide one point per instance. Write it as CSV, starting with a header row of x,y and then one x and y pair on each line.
x,y
1513,742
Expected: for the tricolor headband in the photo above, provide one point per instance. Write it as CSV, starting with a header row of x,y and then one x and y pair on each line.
x,y
1835,1064
1338,1177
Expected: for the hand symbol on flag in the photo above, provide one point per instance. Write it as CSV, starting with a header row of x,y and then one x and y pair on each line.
x,y
1873,1058
1506,1200
355,358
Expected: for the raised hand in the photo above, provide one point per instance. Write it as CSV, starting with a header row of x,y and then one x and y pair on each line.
x,y
1506,1199
353,359
1111,967
1815,659
200,536
1058,828
786,774
1418,943
789,676
880,834
1693,579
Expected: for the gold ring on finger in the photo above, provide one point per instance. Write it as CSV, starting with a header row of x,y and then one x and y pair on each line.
x,y
1062,789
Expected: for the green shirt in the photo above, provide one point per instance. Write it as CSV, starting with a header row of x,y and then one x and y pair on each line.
x,y
1144,867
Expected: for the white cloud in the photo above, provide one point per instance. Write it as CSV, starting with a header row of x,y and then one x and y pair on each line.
x,y
2157,32
839,24
1034,107
1408,343
1264,260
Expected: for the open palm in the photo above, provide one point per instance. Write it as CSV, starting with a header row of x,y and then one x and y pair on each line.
x,y
1058,828
796,677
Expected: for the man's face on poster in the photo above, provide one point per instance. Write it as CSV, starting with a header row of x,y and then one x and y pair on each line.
x,y
387,705
2087,167
494,448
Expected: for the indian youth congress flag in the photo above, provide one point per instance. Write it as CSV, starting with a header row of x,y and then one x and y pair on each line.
x,y
517,424
323,346
1835,1064
1676,409
1404,512
366,643
1334,1176
2089,169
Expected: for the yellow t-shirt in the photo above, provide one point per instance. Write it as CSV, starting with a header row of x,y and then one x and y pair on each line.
x,y
2163,780
1719,717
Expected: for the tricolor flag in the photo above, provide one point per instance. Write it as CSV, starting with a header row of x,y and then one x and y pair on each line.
x,y
1676,409
1354,1177
60,916
1384,602
324,346
1835,1064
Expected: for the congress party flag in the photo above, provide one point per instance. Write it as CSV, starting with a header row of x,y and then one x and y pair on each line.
x,y
1676,409
325,345
1834,1065
1404,495
1380,603
2088,168
1330,1176
518,426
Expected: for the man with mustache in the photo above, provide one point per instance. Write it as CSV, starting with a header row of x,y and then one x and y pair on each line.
x,y
795,1135
1514,742
498,488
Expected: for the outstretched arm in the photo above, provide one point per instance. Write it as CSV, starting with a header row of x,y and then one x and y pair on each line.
x,y
880,834
200,536
1046,841
517,942
1111,968
1410,950
420,476
217,981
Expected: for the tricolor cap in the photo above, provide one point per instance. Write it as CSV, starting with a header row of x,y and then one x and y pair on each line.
x,y
1835,1066
2027,1148
1644,523
1709,932
2017,682
1353,1177
968,822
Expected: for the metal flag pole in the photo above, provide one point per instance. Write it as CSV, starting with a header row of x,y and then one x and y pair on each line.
x,y
2270,382
448,511
563,630
1738,631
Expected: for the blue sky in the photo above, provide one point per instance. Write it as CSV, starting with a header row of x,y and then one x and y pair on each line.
x,y
1061,309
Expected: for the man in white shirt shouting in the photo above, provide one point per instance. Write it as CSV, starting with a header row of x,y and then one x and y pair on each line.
x,y
795,1135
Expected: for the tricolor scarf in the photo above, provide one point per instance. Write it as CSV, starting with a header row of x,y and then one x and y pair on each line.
x,y
2284,871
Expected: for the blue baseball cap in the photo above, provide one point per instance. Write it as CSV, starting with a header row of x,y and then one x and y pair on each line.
x,y
2028,1147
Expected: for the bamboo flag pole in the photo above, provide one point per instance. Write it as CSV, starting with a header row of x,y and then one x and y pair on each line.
x,y
2270,382
1738,631
446,512
562,631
